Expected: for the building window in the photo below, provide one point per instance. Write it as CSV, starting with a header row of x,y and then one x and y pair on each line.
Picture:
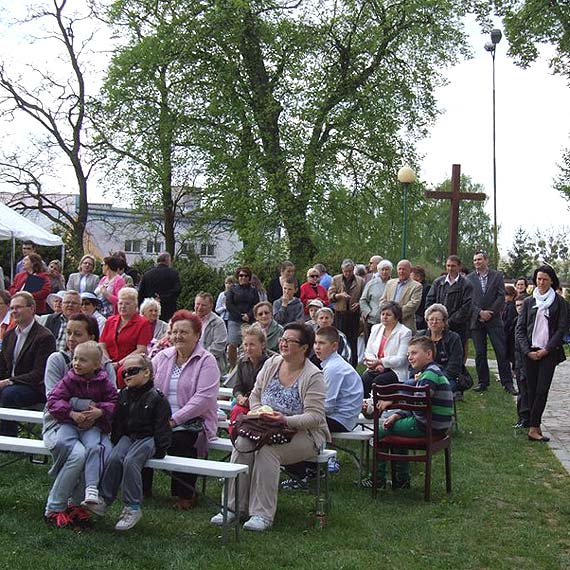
x,y
132,246
207,250
153,246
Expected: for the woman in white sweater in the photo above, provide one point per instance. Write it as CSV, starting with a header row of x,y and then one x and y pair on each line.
x,y
386,355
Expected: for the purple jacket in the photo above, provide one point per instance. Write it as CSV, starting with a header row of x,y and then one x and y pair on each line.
x,y
198,388
98,388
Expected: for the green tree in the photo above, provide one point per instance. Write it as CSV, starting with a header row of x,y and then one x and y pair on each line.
x,y
521,256
288,107
56,104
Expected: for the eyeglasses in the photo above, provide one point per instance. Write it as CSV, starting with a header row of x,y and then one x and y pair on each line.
x,y
243,275
261,313
435,320
311,276
132,371
287,341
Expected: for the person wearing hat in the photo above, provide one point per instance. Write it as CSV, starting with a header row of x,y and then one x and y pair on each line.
x,y
54,301
314,305
312,289
90,306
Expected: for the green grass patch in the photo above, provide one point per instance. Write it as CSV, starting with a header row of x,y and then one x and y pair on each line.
x,y
509,509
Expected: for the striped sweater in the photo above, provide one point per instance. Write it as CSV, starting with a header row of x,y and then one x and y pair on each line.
x,y
441,398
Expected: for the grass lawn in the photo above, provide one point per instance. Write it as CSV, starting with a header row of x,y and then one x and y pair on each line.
x,y
509,510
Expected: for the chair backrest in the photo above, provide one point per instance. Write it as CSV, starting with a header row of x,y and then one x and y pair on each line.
x,y
403,397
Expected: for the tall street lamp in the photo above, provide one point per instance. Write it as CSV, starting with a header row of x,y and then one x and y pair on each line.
x,y
406,176
491,46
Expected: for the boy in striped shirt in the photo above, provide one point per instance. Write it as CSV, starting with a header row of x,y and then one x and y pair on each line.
x,y
421,352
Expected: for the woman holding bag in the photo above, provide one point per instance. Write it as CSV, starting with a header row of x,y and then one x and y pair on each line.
x,y
295,389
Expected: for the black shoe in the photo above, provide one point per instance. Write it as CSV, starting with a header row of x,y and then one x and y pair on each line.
x,y
521,425
403,484
480,388
368,483
511,390
542,439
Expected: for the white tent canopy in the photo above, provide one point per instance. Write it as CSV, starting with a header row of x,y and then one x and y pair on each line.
x,y
16,226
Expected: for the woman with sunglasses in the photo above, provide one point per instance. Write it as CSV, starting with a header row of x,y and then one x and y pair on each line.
x,y
240,300
188,375
63,507
313,290
295,389
263,314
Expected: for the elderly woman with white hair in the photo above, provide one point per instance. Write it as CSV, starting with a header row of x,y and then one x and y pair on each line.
x,y
150,309
448,345
370,298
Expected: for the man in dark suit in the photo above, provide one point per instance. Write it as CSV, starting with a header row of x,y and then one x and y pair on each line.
x,y
25,350
487,300
454,292
161,282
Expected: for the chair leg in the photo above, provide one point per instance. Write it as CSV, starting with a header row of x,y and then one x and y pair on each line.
x,y
374,475
427,483
447,451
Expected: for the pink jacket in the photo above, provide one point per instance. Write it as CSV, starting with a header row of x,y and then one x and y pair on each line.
x,y
198,388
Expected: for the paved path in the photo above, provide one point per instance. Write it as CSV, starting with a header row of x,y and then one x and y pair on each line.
x,y
556,418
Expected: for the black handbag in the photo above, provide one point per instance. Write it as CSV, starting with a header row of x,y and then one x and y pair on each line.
x,y
195,425
464,381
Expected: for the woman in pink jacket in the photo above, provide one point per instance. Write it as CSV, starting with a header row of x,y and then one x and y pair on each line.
x,y
189,377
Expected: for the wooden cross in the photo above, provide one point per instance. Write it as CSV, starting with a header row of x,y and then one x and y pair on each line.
x,y
455,196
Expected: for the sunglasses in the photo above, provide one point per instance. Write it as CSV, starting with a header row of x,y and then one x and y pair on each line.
x,y
243,275
132,371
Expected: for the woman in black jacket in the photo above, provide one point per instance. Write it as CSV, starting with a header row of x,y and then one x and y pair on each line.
x,y
540,331
449,348
240,300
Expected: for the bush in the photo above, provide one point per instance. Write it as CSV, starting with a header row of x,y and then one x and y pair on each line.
x,y
196,276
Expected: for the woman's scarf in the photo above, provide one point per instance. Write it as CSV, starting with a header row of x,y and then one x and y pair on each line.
x,y
544,301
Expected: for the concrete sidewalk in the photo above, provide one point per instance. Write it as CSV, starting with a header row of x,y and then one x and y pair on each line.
x,y
556,418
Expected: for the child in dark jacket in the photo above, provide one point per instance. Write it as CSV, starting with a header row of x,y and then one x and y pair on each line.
x,y
141,431
84,403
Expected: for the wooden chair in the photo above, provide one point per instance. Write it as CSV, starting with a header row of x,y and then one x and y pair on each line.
x,y
411,398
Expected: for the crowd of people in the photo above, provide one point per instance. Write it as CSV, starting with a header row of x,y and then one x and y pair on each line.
x,y
125,375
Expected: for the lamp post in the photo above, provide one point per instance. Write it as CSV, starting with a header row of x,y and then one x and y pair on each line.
x,y
406,176
491,47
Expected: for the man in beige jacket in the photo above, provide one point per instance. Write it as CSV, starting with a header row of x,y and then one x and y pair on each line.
x,y
345,292
406,292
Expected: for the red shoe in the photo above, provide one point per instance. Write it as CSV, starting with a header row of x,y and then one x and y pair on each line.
x,y
59,520
80,516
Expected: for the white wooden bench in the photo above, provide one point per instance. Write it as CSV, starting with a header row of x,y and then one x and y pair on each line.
x,y
321,459
171,464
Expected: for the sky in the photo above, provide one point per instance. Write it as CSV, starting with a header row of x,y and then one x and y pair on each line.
x,y
532,129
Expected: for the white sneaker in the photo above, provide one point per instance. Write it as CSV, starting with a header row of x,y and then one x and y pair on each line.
x,y
257,524
128,519
218,520
91,495
99,508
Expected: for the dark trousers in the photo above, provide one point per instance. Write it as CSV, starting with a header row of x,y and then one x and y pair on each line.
x,y
384,378
349,324
523,410
494,330
539,375
183,445
18,396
